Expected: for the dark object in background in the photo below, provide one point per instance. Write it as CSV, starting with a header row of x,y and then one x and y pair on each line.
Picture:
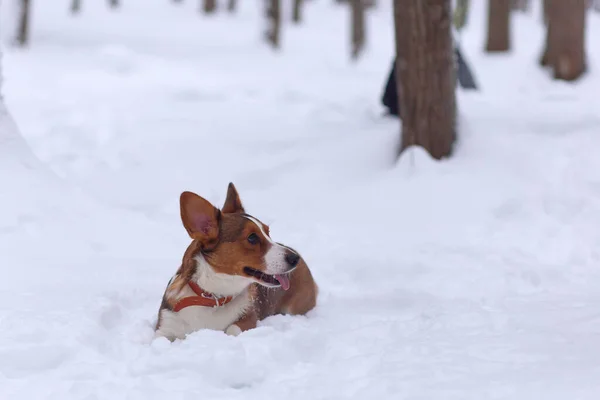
x,y
463,73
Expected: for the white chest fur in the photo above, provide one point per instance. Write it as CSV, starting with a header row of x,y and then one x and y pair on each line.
x,y
177,325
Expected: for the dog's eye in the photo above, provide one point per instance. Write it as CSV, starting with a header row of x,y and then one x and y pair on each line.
x,y
253,238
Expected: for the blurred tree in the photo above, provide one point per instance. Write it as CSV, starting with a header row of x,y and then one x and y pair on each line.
x,y
114,3
209,6
520,5
273,12
551,39
565,39
231,5
426,75
545,8
22,38
366,3
297,13
358,27
75,6
498,34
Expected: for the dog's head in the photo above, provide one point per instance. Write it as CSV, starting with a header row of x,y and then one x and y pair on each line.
x,y
235,243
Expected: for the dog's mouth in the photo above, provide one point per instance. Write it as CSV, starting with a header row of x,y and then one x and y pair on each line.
x,y
276,280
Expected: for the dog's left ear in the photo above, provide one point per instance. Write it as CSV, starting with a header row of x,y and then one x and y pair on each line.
x,y
200,218
233,204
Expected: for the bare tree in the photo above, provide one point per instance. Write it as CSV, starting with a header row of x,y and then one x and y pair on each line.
x,y
565,39
520,5
297,12
545,10
551,39
498,34
22,38
209,6
358,27
426,75
75,6
231,5
273,12
366,3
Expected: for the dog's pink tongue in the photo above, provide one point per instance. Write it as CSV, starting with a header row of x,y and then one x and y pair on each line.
x,y
284,281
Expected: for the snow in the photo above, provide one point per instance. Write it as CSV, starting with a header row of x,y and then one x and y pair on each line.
x,y
471,278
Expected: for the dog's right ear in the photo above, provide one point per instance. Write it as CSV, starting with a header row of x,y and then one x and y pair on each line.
x,y
233,204
200,218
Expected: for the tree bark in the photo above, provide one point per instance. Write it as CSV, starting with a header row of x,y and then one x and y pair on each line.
x,y
358,27
546,4
274,22
231,5
75,6
498,35
565,40
426,74
22,38
520,5
551,39
297,12
209,6
366,3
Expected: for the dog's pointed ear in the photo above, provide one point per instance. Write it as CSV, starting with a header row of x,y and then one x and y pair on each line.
x,y
200,218
233,204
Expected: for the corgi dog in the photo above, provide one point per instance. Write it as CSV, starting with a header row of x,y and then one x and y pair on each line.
x,y
232,274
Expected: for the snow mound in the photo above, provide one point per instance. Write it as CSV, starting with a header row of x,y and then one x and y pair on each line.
x,y
417,160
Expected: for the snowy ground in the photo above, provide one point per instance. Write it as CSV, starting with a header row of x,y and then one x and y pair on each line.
x,y
474,278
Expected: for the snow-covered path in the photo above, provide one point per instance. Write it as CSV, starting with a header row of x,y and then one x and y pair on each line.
x,y
474,278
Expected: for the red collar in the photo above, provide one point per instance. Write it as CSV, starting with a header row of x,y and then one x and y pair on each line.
x,y
203,299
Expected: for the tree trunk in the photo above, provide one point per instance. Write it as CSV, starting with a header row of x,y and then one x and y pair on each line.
x,y
210,6
520,5
426,74
23,27
546,4
566,39
274,22
498,35
297,13
75,6
551,38
366,3
231,5
358,27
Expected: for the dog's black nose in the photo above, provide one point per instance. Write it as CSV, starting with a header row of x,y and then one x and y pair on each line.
x,y
292,259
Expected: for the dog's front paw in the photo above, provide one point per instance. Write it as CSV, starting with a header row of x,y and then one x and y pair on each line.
x,y
233,330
